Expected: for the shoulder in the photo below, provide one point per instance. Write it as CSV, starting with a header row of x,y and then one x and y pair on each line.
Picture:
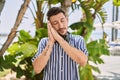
x,y
43,40
76,37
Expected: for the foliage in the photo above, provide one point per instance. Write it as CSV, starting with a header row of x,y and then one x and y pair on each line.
x,y
20,54
116,2
96,49
90,9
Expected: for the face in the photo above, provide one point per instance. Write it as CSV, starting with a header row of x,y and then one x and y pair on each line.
x,y
59,23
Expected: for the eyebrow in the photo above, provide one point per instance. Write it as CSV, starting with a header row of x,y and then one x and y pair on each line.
x,y
61,19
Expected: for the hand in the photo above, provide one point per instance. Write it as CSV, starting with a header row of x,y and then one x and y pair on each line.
x,y
55,34
50,36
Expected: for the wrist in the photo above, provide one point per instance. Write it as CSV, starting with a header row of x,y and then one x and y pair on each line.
x,y
61,40
50,43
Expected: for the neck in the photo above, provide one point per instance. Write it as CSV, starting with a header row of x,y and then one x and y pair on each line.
x,y
66,36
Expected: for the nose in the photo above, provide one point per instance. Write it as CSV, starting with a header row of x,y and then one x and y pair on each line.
x,y
60,25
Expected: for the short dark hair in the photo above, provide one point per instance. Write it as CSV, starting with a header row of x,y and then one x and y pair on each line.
x,y
53,11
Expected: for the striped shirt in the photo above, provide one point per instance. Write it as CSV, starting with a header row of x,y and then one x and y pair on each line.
x,y
60,66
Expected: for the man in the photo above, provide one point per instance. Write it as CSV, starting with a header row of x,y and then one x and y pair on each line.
x,y
61,53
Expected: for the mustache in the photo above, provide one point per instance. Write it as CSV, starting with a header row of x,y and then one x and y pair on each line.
x,y
60,29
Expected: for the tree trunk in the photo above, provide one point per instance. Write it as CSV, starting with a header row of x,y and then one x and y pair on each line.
x,y
12,34
65,6
2,3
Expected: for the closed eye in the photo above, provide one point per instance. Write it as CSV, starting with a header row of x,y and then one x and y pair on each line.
x,y
62,20
55,22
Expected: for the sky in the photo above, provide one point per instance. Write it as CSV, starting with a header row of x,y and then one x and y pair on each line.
x,y
9,14
11,8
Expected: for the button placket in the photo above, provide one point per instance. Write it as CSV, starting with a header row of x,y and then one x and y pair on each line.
x,y
61,56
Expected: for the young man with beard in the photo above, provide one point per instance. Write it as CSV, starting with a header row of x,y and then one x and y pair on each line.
x,y
61,53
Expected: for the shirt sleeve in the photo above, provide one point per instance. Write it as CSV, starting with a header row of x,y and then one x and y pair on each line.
x,y
82,45
41,47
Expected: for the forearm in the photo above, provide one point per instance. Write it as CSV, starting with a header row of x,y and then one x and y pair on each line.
x,y
77,55
41,61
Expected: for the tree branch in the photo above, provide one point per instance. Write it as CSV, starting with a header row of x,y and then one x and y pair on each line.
x,y
12,34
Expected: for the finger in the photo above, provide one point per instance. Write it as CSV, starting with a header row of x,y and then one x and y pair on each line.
x,y
49,30
53,31
50,27
48,24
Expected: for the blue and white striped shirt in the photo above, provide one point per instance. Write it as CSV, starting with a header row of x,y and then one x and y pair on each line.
x,y
60,66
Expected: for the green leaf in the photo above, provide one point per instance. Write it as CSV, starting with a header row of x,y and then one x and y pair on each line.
x,y
96,49
54,1
1,60
13,48
86,73
102,15
95,68
100,61
42,32
116,2
1,68
76,25
7,60
19,71
27,49
24,36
